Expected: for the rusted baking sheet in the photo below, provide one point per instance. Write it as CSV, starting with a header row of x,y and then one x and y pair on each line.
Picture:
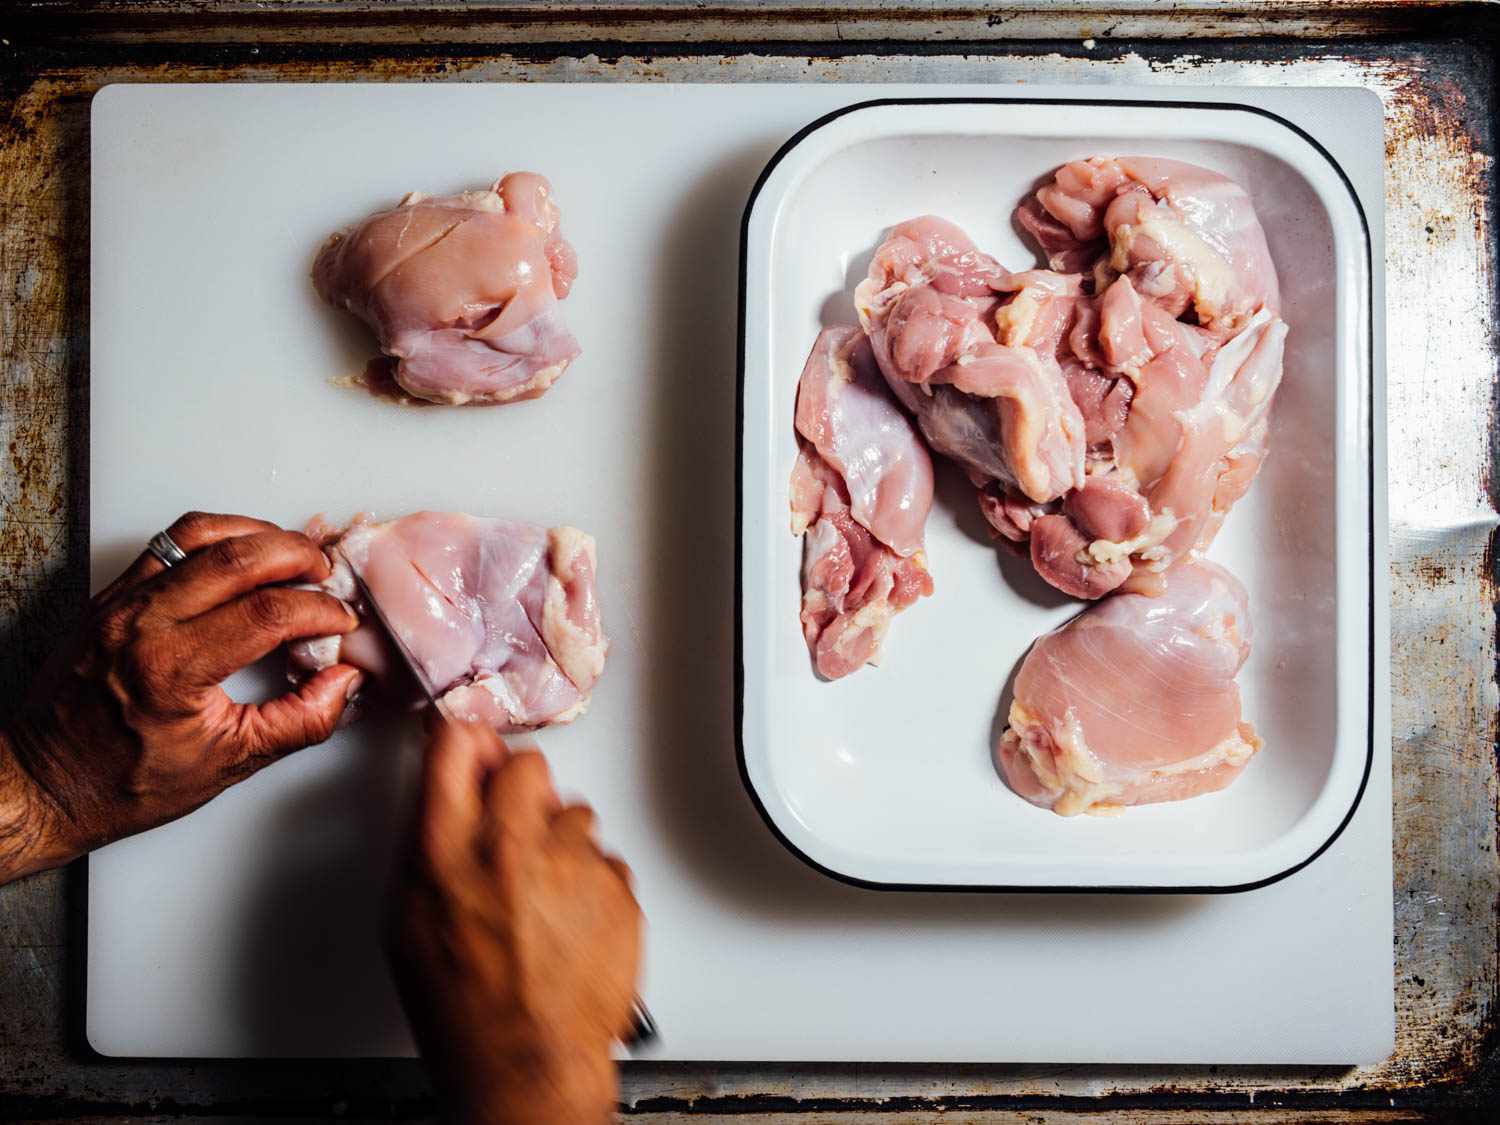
x,y
1264,1116
1434,68
734,21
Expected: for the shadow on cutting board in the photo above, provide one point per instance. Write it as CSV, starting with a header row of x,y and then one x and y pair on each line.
x,y
312,969
699,802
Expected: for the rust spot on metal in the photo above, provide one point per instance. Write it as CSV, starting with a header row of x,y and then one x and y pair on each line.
x,y
1431,571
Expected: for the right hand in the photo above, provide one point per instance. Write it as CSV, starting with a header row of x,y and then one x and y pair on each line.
x,y
516,941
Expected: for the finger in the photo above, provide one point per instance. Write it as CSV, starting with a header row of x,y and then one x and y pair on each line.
x,y
458,759
622,871
576,824
229,567
304,717
191,531
519,798
224,640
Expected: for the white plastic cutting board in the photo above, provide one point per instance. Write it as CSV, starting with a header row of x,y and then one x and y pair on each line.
x,y
249,928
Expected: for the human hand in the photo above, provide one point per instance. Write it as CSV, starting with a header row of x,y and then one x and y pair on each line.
x,y
129,728
515,940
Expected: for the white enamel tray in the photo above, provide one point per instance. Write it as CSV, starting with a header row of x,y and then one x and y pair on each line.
x,y
885,778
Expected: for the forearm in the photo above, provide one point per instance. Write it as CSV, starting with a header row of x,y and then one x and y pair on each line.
x,y
30,823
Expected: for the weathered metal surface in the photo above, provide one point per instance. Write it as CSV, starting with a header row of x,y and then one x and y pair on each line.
x,y
1441,330
486,22
1265,1116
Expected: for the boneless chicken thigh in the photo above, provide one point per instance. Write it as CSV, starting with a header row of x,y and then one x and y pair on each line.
x,y
924,302
1173,355
861,490
500,618
1188,446
1187,237
999,407
1134,701
461,290
1109,410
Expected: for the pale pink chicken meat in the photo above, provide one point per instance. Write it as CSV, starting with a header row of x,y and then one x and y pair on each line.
x,y
1172,354
500,618
1191,443
462,290
1010,419
998,405
1187,237
861,491
1134,701
1055,314
1109,411
925,300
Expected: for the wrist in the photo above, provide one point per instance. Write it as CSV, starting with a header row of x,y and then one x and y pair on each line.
x,y
33,829
536,1085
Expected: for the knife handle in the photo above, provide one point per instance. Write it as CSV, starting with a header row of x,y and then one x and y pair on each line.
x,y
643,1030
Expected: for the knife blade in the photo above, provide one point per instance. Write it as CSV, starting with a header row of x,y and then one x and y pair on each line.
x,y
396,642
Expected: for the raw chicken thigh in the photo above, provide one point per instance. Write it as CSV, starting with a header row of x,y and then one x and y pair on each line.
x,y
1171,349
1134,701
1185,236
860,494
461,290
500,618
999,407
1109,410
924,302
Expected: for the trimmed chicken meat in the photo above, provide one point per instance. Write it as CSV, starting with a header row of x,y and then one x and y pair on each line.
x,y
998,405
1134,700
1188,238
861,490
1109,410
461,290
499,618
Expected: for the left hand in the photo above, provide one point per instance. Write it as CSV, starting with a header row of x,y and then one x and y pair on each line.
x,y
129,728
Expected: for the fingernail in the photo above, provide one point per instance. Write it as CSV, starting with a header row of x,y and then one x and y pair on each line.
x,y
356,682
353,617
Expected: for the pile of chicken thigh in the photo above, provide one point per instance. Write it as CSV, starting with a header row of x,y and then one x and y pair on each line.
x,y
1109,411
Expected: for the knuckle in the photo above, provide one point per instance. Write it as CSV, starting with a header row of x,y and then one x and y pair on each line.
x,y
115,627
317,726
437,847
269,610
527,770
121,687
136,684
233,554
191,525
620,868
117,622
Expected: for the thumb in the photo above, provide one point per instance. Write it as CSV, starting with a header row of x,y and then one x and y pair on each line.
x,y
303,717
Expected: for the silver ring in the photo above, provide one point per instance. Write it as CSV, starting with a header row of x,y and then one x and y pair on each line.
x,y
165,548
